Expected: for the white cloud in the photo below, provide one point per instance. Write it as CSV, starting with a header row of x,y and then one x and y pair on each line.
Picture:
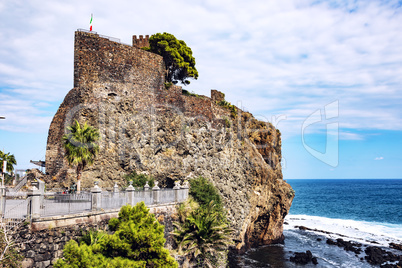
x,y
279,57
379,158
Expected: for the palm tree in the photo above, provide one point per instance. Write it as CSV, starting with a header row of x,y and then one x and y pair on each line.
x,y
202,235
80,147
10,158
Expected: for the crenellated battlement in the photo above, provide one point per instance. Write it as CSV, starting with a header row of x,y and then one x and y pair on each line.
x,y
141,41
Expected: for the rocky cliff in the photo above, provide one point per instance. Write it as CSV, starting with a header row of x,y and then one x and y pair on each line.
x,y
120,90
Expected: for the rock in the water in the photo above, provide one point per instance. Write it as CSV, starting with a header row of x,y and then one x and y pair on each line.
x,y
395,246
304,258
346,245
376,255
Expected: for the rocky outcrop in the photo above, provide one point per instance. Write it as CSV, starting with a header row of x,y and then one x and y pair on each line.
x,y
120,90
304,258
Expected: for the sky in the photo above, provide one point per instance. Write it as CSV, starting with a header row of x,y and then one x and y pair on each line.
x,y
327,74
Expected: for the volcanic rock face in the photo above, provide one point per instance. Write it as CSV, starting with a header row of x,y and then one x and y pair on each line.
x,y
144,127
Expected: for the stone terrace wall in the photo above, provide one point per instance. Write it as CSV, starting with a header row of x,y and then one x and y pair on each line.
x,y
46,241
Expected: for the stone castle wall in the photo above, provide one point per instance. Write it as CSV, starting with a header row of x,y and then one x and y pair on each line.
x,y
103,71
140,41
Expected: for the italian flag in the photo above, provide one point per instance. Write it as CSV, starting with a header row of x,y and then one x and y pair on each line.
x,y
90,24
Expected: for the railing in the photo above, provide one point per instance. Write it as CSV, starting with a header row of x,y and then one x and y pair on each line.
x,y
21,184
14,195
39,204
144,195
17,209
113,39
64,204
111,200
167,196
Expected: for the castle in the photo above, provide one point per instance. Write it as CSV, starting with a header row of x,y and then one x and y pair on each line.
x,y
120,90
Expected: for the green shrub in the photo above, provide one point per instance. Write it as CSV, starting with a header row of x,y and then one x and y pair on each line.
x,y
187,93
168,85
185,208
291,193
203,236
84,256
204,192
139,180
228,123
138,241
92,237
202,230
228,105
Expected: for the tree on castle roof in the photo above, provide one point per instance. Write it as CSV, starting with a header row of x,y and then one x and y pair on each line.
x,y
178,57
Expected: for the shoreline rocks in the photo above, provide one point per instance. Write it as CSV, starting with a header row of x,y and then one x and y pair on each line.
x,y
375,255
304,258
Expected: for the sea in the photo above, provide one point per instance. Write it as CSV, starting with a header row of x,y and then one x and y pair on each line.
x,y
367,211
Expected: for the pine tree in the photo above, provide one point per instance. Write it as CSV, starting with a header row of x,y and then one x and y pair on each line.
x,y
178,57
138,241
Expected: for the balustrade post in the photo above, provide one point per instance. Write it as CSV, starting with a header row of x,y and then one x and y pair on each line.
x,y
2,200
35,195
186,188
156,193
115,189
96,203
146,187
176,189
130,194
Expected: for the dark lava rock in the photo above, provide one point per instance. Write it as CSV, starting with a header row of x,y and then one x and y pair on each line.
x,y
395,246
304,258
346,245
376,255
398,265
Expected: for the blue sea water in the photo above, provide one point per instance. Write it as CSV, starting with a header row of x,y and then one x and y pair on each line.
x,y
372,200
368,211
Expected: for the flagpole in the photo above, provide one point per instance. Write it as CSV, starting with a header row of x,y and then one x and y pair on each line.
x,y
90,23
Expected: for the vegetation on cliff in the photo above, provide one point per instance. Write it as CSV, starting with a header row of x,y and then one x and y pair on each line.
x,y
202,231
178,57
139,180
230,107
138,241
80,147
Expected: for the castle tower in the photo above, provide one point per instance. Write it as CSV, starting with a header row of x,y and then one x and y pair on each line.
x,y
140,41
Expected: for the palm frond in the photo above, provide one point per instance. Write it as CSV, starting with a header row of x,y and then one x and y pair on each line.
x,y
80,145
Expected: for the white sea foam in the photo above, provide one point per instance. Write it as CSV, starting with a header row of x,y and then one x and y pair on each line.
x,y
361,231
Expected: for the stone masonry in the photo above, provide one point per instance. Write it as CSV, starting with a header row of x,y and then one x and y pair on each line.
x,y
140,41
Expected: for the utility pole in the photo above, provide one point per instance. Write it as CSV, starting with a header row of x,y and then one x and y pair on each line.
x,y
4,171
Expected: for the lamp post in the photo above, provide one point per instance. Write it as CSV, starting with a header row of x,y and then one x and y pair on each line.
x,y
4,162
3,192
2,188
